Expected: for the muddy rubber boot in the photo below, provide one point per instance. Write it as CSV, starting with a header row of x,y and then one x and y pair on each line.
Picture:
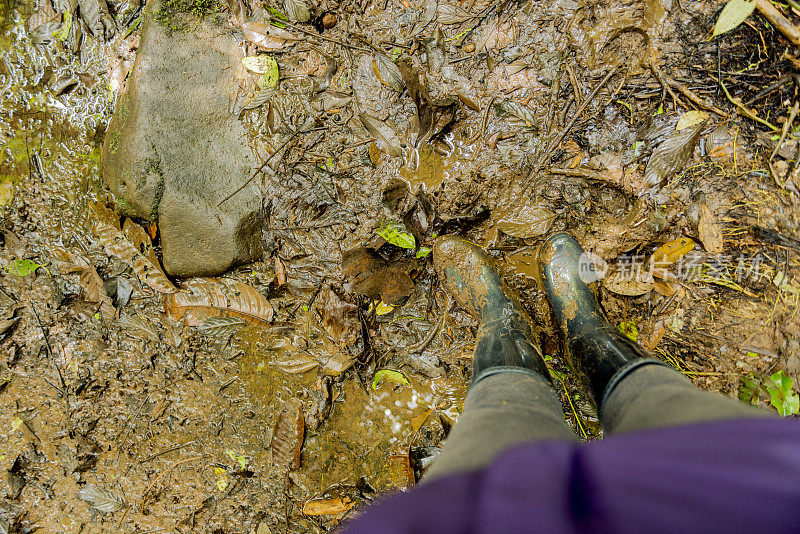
x,y
597,349
505,340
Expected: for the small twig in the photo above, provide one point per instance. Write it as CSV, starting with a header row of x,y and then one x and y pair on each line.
x,y
420,347
745,110
771,13
171,449
49,348
308,227
786,126
261,168
164,472
317,36
552,146
770,88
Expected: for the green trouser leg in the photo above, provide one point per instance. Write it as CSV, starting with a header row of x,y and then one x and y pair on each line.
x,y
654,395
509,406
505,406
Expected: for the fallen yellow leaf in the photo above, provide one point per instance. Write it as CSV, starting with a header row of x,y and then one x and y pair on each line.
x,y
335,506
672,251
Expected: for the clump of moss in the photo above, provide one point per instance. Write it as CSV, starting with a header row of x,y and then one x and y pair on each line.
x,y
6,7
176,15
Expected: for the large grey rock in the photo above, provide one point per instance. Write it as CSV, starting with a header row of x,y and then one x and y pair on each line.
x,y
173,150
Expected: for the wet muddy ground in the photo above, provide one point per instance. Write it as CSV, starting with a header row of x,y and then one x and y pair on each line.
x,y
124,409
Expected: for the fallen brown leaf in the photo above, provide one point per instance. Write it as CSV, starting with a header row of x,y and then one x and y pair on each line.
x,y
213,297
287,435
335,506
709,231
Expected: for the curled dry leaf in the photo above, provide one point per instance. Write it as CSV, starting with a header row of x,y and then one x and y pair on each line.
x,y
139,327
418,420
528,222
280,272
629,284
709,231
221,326
286,444
297,10
428,14
117,245
519,113
142,241
101,212
94,291
202,298
266,36
335,506
384,134
671,155
667,254
387,72
66,261
96,16
672,251
451,14
259,98
297,364
238,11
691,118
372,277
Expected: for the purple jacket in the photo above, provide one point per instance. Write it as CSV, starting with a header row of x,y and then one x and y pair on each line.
x,y
727,476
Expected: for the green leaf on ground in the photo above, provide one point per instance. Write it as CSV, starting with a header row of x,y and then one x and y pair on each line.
x,y
260,64
423,252
270,78
66,25
733,14
782,395
392,376
630,330
748,389
396,234
24,267
383,309
274,12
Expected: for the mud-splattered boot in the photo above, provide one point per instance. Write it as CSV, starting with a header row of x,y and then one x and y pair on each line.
x,y
504,340
598,350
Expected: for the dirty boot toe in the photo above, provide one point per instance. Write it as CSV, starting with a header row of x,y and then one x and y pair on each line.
x,y
468,274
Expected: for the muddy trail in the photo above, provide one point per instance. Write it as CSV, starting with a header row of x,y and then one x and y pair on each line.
x,y
218,311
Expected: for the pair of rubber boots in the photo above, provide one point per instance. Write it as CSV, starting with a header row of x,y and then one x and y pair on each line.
x,y
505,339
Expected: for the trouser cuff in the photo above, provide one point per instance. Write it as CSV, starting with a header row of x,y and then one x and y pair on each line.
x,y
620,375
507,369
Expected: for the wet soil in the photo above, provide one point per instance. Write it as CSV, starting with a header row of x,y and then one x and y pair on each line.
x,y
124,419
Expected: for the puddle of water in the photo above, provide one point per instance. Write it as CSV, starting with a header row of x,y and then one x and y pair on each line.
x,y
427,168
367,425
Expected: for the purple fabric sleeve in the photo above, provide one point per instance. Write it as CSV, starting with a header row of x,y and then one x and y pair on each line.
x,y
728,476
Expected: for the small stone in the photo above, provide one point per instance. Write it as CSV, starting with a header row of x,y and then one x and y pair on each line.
x,y
328,21
469,47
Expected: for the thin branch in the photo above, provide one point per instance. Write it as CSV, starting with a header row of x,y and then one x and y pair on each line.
x,y
317,36
261,168
47,345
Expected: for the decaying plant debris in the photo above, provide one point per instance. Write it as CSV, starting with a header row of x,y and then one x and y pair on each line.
x,y
286,394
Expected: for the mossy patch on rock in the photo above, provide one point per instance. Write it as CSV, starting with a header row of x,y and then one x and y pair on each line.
x,y
177,15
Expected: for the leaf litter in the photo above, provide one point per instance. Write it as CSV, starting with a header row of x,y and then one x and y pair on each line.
x,y
495,146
